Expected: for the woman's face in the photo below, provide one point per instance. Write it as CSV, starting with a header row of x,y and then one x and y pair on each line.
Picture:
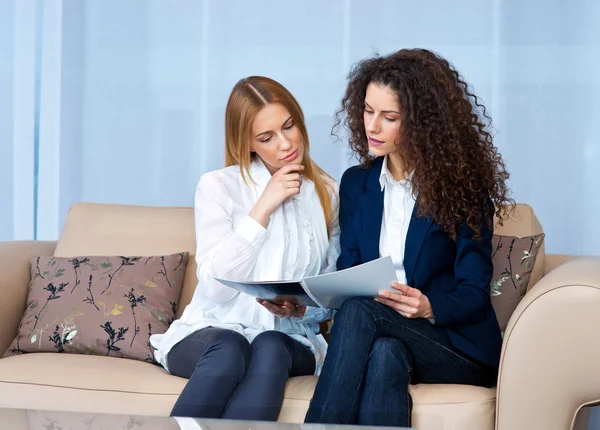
x,y
381,116
276,139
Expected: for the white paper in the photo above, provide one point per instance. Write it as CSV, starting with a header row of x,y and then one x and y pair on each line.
x,y
365,280
327,291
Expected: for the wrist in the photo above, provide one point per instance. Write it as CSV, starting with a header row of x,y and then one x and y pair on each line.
x,y
300,311
428,312
260,214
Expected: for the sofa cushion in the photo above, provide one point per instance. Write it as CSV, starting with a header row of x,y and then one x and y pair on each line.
x,y
513,259
104,229
85,383
453,407
99,305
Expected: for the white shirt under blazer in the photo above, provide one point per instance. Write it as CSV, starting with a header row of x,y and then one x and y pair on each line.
x,y
398,206
232,245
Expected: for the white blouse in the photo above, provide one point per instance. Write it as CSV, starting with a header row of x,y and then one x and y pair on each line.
x,y
232,245
398,205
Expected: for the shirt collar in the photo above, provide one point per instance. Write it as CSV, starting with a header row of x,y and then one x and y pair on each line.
x,y
386,177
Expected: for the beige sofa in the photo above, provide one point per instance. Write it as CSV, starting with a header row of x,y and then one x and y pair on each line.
x,y
550,363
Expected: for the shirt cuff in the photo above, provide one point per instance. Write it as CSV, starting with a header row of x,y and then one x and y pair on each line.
x,y
251,230
309,315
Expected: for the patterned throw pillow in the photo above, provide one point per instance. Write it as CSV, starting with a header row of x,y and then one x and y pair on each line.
x,y
513,259
99,305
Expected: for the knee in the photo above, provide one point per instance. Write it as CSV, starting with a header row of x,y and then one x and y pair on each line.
x,y
388,353
231,346
273,341
356,310
273,349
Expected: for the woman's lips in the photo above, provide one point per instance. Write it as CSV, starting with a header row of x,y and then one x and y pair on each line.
x,y
375,142
291,156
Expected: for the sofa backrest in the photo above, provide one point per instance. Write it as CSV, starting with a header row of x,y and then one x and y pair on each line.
x,y
103,229
110,230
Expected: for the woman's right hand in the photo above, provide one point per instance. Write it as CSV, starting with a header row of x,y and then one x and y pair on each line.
x,y
283,184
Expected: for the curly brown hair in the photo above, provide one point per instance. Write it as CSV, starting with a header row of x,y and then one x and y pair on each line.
x,y
444,138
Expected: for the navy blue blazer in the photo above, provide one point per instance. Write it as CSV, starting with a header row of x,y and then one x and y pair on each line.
x,y
454,275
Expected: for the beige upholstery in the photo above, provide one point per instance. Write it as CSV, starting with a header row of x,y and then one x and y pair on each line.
x,y
14,281
133,387
84,383
549,329
99,229
551,354
552,261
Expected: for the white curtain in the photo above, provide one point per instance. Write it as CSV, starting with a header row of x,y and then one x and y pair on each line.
x,y
17,118
133,93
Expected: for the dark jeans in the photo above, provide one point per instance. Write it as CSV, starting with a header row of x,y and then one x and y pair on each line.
x,y
374,354
231,378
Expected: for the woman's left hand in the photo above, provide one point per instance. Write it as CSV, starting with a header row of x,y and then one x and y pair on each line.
x,y
285,310
408,302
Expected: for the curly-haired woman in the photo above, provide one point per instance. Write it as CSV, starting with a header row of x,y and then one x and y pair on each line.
x,y
428,186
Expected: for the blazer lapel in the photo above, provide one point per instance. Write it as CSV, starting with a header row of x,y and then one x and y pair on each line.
x,y
417,230
372,213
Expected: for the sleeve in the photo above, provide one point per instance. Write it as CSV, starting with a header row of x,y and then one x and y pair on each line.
x,y
222,250
470,300
349,253
315,315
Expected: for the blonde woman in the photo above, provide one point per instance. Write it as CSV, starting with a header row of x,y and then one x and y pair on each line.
x,y
271,214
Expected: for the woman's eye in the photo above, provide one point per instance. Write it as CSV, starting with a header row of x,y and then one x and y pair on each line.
x,y
287,127
390,119
267,140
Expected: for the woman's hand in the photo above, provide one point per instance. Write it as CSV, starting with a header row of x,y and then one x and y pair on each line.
x,y
285,310
408,302
284,183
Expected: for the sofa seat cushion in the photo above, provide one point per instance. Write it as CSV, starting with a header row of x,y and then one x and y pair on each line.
x,y
85,383
435,406
453,407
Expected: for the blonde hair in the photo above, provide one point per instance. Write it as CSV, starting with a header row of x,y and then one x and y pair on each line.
x,y
247,98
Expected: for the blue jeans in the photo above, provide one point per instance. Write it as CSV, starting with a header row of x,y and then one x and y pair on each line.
x,y
231,378
373,355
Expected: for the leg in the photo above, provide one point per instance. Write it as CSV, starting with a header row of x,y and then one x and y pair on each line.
x,y
385,395
275,357
350,340
215,361
357,324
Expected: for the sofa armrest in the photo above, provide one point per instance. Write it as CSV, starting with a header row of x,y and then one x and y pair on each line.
x,y
14,283
552,261
549,363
